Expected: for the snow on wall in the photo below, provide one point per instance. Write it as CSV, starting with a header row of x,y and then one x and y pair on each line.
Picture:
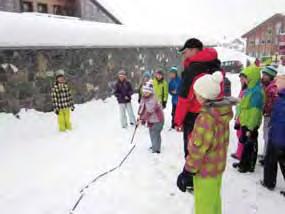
x,y
38,30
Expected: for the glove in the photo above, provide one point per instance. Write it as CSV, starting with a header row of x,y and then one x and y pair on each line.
x,y
237,126
72,108
185,180
164,104
243,137
56,112
247,135
149,125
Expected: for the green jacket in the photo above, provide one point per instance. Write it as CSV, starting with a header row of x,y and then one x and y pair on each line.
x,y
251,105
160,90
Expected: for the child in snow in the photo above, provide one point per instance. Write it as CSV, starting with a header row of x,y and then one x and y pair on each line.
x,y
275,152
270,89
62,101
124,92
237,127
150,112
146,78
208,145
160,88
250,116
173,88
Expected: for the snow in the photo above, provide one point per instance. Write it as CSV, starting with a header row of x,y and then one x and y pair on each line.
x,y
43,171
41,30
226,54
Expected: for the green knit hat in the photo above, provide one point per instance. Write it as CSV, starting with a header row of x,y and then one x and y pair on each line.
x,y
270,71
173,69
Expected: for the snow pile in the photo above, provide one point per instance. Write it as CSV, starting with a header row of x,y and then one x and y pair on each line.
x,y
38,30
226,54
42,171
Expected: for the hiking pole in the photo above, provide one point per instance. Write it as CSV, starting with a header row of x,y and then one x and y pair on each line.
x,y
136,127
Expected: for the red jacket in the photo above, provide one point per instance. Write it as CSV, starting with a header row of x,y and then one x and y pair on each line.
x,y
204,62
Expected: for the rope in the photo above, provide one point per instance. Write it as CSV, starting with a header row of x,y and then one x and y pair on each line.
x,y
82,191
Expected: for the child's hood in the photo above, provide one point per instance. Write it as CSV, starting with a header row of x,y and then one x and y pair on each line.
x,y
253,75
221,109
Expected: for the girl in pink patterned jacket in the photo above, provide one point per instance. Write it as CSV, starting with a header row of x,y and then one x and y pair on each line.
x,y
150,112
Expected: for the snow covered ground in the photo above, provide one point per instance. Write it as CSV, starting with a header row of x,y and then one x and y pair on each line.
x,y
42,171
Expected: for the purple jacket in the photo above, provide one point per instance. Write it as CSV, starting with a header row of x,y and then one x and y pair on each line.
x,y
123,91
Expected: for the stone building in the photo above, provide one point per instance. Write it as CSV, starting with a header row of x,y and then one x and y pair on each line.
x,y
85,9
263,40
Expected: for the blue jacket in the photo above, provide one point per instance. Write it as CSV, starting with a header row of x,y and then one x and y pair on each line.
x,y
174,85
277,130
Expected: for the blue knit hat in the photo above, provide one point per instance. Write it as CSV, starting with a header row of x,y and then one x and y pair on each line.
x,y
147,74
270,70
173,69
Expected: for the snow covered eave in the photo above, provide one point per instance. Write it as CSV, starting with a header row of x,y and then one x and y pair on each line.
x,y
28,30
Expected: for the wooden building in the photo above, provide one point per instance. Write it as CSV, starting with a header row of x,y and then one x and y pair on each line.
x,y
85,9
263,40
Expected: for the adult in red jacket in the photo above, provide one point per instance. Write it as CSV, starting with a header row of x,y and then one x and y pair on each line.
x,y
198,61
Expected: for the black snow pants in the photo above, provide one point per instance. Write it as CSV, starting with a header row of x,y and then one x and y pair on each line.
x,y
188,126
272,158
249,156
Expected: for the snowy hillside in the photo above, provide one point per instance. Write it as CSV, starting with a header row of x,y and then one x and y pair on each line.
x,y
226,54
38,30
43,171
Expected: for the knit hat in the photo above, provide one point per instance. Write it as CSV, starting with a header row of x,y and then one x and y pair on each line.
x,y
192,43
59,73
159,72
122,73
173,69
209,86
270,70
148,87
147,74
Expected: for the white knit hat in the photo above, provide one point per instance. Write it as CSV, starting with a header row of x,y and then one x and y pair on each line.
x,y
148,87
209,86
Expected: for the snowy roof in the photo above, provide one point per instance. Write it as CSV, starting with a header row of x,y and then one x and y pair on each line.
x,y
264,22
34,30
226,54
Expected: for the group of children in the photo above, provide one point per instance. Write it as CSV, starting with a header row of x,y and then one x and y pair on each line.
x,y
262,97
153,97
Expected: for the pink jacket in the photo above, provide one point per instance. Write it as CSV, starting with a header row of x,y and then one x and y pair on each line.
x,y
270,96
150,111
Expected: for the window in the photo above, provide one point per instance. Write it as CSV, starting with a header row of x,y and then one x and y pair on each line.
x,y
42,8
27,6
278,27
257,41
268,41
58,10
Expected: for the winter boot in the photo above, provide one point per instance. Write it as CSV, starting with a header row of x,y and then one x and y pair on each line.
x,y
267,187
236,165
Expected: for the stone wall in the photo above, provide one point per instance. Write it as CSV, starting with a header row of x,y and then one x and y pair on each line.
x,y
10,5
26,76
